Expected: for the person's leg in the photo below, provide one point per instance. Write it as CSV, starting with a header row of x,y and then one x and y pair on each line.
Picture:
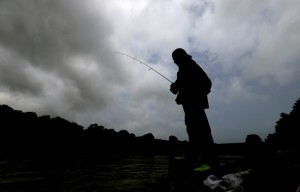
x,y
205,140
192,128
199,132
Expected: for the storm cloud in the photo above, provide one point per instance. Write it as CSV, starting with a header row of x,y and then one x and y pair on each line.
x,y
57,57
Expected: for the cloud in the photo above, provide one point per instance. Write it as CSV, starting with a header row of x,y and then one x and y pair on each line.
x,y
57,58
59,51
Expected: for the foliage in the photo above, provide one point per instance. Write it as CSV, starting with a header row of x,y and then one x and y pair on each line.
x,y
288,127
253,138
24,133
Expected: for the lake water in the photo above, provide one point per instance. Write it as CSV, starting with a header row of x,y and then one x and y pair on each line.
x,y
109,173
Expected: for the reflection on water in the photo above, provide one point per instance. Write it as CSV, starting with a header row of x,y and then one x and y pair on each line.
x,y
109,173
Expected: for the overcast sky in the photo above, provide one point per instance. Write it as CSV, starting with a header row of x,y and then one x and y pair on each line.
x,y
57,58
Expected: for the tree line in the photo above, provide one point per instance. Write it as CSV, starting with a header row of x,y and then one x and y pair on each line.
x,y
24,133
287,131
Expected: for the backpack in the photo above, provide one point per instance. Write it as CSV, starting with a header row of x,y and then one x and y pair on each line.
x,y
205,82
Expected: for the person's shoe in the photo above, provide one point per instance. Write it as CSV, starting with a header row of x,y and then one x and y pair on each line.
x,y
179,158
203,167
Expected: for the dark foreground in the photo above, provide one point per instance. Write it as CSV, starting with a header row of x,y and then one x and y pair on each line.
x,y
140,173
105,174
270,173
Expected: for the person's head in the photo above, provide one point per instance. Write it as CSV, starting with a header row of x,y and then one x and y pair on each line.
x,y
179,55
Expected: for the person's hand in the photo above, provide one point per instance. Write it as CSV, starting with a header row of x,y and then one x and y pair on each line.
x,y
173,89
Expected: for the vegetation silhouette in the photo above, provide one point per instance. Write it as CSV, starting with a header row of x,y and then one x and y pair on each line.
x,y
24,134
274,162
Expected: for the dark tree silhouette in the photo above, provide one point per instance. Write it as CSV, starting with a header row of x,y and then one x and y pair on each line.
x,y
288,127
24,133
253,138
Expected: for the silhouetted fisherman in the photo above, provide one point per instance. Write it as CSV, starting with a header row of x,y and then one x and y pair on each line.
x,y
192,87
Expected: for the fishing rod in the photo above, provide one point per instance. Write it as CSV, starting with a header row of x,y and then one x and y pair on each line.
x,y
141,62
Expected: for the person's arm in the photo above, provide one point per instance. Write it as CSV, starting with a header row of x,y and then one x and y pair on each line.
x,y
174,87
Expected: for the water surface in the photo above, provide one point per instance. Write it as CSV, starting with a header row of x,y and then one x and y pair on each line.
x,y
109,173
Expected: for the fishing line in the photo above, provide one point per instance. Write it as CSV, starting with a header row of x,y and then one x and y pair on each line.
x,y
141,62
